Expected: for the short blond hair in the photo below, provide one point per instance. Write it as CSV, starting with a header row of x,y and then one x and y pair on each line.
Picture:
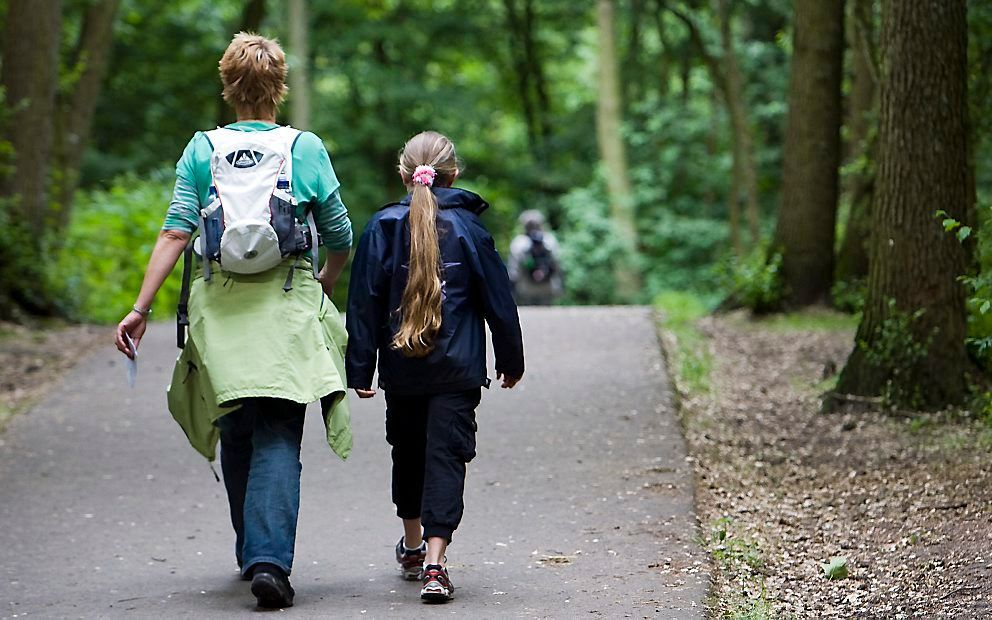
x,y
253,72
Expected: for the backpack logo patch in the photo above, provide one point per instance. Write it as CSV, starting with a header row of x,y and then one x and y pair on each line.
x,y
244,158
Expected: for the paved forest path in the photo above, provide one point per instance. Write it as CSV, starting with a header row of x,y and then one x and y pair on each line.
x,y
579,504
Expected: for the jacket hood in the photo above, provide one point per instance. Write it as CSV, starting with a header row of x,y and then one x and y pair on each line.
x,y
452,198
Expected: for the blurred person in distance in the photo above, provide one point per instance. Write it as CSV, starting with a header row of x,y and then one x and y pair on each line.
x,y
534,265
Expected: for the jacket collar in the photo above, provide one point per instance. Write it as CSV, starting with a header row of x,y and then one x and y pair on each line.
x,y
453,198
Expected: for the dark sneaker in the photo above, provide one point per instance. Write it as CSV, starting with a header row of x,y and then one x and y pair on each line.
x,y
411,561
270,585
437,586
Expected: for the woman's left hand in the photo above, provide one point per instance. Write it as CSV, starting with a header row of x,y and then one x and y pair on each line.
x,y
133,325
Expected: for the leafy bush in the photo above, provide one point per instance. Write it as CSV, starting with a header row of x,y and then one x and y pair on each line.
x,y
755,281
678,254
978,284
675,252
590,248
107,245
894,346
849,295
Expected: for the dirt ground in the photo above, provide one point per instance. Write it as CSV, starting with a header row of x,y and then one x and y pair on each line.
x,y
782,488
32,358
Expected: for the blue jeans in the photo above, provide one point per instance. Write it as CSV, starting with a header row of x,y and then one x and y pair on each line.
x,y
260,458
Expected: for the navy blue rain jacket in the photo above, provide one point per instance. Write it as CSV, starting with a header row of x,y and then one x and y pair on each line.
x,y
475,288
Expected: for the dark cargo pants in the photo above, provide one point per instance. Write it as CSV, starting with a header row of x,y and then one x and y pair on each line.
x,y
433,437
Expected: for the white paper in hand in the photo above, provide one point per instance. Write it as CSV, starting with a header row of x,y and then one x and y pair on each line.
x,y
131,365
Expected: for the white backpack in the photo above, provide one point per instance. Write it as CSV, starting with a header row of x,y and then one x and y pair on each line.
x,y
250,223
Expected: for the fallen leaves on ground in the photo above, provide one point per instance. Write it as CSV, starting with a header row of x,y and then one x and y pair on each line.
x,y
910,511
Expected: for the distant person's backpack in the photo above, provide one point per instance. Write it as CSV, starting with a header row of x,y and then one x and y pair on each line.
x,y
539,264
250,223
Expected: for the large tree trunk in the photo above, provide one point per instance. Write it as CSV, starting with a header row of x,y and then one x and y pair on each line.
x,y
613,153
299,48
808,210
922,167
29,76
852,259
76,114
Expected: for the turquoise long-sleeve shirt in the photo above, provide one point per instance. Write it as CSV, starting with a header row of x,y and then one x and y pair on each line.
x,y
315,186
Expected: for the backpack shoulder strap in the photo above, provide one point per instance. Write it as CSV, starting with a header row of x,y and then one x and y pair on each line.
x,y
289,137
182,310
292,137
219,136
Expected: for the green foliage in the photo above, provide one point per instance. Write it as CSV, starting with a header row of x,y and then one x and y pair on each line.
x,y
755,281
738,554
107,245
376,80
849,295
978,283
730,549
980,92
678,253
11,237
23,281
681,309
836,568
162,84
746,608
809,320
980,407
590,248
690,356
895,347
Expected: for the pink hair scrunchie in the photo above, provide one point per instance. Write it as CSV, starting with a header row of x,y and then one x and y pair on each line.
x,y
424,175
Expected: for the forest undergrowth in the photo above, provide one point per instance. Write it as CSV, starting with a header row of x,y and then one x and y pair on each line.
x,y
813,515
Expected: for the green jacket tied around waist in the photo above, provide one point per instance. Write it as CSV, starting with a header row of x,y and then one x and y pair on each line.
x,y
248,338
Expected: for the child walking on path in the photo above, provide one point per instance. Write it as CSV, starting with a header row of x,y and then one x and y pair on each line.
x,y
424,278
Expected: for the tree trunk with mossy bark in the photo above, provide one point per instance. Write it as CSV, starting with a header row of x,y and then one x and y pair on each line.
x,y
29,77
299,50
613,152
910,346
807,216
78,105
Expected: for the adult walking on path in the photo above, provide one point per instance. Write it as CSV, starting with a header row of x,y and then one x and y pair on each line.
x,y
264,340
533,262
578,503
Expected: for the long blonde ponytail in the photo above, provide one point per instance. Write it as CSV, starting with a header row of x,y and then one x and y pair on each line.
x,y
426,159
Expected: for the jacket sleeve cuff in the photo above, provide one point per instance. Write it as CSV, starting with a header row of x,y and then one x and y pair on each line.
x,y
360,381
515,370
